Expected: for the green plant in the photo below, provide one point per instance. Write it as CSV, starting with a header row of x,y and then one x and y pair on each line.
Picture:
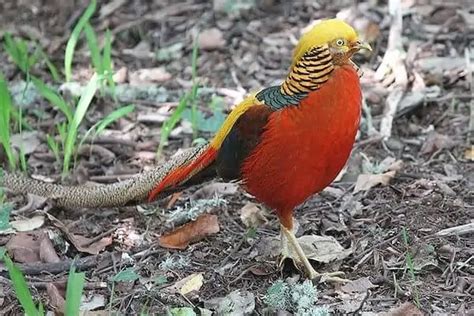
x,y
74,38
5,113
410,267
20,286
79,113
75,287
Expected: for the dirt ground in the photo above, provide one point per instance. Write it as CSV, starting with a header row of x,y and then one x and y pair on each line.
x,y
393,230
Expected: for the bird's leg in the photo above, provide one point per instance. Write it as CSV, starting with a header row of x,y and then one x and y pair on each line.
x,y
289,240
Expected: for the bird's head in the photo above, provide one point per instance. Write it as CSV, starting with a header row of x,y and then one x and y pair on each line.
x,y
340,38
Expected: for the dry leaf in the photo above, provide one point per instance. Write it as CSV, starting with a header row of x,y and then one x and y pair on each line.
x,y
360,285
56,300
469,154
191,283
92,302
24,247
26,142
436,141
367,181
181,237
323,248
120,76
235,303
404,309
252,216
29,224
46,252
81,243
217,188
149,76
211,39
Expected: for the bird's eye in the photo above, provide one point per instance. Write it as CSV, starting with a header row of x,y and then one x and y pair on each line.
x,y
340,42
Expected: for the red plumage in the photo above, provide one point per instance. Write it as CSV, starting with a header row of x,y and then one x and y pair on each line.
x,y
304,147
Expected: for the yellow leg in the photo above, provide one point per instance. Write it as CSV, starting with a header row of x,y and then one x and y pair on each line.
x,y
288,239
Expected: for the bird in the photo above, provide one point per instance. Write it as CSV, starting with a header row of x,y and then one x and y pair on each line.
x,y
283,144
290,141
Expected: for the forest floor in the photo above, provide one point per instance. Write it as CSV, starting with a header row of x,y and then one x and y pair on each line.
x,y
384,219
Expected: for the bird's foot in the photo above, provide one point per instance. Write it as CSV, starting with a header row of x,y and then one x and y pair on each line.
x,y
290,249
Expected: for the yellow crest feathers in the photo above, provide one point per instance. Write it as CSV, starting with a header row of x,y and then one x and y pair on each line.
x,y
322,33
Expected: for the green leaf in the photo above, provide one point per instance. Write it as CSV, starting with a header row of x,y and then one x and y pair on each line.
x,y
20,286
5,211
171,122
93,48
127,275
182,311
53,97
81,109
5,112
75,287
74,38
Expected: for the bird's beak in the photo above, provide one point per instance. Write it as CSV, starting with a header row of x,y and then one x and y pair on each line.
x,y
360,45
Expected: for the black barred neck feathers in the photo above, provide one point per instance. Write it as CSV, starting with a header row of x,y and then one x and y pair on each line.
x,y
310,72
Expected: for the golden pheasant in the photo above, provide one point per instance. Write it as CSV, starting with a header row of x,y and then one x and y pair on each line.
x,y
285,143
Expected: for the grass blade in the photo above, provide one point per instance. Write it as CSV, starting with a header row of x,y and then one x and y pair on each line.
x,y
21,287
91,38
53,97
5,112
74,38
75,286
171,123
81,109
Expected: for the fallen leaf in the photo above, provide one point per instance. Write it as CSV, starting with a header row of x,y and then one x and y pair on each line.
x,y
120,76
353,294
360,285
46,252
182,311
56,300
26,142
24,247
29,224
436,141
181,237
406,308
141,51
252,216
469,154
189,285
92,302
367,181
81,243
235,303
323,248
217,188
149,76
109,8
211,39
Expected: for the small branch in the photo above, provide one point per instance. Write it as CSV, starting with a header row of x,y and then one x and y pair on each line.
x,y
393,61
457,230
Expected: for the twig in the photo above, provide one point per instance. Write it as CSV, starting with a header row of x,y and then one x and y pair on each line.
x,y
394,61
62,266
470,78
457,230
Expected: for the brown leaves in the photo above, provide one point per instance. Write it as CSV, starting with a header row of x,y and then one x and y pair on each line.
x,y
81,243
368,181
435,142
31,247
252,216
180,238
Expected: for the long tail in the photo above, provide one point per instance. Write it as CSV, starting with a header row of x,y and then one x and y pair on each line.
x,y
133,191
180,175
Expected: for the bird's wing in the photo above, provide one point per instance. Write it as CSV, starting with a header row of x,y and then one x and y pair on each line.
x,y
205,158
